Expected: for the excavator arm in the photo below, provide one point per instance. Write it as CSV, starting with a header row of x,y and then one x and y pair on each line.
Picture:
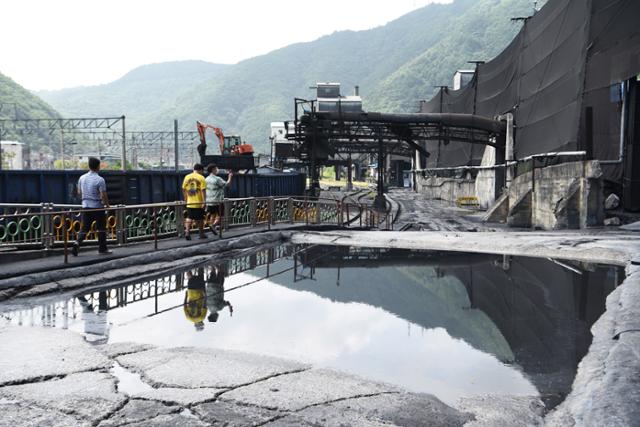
x,y
202,127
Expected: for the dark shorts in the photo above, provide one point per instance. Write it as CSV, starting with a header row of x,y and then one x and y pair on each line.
x,y
216,209
195,214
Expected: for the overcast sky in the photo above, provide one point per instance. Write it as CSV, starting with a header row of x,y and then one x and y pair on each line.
x,y
52,44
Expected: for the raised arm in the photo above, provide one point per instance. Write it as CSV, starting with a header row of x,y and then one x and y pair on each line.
x,y
228,304
103,193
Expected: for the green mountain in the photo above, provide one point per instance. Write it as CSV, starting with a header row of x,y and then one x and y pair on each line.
x,y
139,94
395,66
478,34
18,102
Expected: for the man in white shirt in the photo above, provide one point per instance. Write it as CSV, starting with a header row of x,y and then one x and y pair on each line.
x,y
93,191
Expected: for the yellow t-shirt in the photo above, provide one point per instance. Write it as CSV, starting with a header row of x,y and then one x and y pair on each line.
x,y
193,184
195,307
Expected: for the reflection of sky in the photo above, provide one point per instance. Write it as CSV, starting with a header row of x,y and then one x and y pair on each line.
x,y
362,339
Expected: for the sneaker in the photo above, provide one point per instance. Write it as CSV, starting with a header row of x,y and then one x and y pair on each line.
x,y
213,230
74,249
107,252
187,237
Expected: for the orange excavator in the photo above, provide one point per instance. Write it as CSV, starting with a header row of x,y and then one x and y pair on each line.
x,y
228,144
234,154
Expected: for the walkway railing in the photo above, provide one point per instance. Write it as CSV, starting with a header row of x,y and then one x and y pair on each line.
x,y
48,225
64,312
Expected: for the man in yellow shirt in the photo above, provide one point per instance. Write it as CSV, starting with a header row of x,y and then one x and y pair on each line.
x,y
194,191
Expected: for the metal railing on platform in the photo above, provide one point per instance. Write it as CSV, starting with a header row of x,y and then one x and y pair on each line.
x,y
48,225
98,300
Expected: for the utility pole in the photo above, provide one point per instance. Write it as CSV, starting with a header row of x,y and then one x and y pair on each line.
x,y
62,146
442,89
124,146
475,89
175,145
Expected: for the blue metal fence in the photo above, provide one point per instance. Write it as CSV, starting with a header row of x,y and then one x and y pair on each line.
x,y
135,187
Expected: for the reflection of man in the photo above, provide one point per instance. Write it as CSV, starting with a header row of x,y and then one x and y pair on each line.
x,y
96,328
195,308
215,293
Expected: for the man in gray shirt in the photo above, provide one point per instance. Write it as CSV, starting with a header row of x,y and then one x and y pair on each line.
x,y
93,191
215,196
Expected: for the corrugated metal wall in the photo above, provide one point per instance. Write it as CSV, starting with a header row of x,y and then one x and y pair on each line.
x,y
134,187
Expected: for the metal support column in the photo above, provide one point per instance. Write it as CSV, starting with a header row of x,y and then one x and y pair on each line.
x,y
379,201
349,173
508,146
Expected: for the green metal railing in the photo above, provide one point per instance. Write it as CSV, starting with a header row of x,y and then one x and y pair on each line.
x,y
49,225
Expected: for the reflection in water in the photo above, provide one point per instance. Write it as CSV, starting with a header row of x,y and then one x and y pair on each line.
x,y
202,296
447,324
96,328
215,293
195,305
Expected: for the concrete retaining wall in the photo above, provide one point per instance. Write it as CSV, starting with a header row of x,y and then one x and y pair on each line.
x,y
447,189
486,180
563,196
568,195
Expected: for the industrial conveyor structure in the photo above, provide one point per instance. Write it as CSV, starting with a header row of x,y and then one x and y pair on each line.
x,y
319,136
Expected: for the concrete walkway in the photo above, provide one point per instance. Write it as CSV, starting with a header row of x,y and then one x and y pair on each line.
x,y
417,214
18,263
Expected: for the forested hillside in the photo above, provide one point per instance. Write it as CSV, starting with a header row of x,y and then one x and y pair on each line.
x,y
139,94
479,34
395,66
18,102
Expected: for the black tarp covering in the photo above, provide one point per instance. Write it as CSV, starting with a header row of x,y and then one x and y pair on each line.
x,y
570,55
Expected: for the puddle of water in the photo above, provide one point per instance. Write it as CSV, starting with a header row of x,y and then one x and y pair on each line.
x,y
129,383
448,324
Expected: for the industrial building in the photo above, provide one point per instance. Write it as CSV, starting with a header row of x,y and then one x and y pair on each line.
x,y
570,80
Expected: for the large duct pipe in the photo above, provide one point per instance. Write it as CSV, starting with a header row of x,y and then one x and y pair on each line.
x,y
445,119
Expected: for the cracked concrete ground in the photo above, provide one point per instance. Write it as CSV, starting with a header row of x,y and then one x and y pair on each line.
x,y
53,377
192,387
